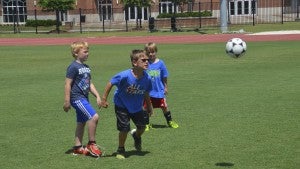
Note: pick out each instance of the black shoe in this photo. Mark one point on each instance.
(137, 140)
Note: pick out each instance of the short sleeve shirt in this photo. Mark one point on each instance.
(130, 91)
(80, 73)
(157, 72)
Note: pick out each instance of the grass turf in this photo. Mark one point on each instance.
(237, 113)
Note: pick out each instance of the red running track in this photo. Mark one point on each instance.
(171, 39)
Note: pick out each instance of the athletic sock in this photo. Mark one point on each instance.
(148, 120)
(168, 116)
(91, 142)
(76, 147)
(121, 149)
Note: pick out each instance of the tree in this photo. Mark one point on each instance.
(57, 6)
(140, 3)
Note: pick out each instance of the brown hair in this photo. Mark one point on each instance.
(136, 54)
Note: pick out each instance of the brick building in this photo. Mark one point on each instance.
(113, 11)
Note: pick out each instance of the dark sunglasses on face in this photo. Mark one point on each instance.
(144, 60)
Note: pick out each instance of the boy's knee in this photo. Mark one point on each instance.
(140, 127)
(96, 117)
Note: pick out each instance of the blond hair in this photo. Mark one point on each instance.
(76, 46)
(150, 48)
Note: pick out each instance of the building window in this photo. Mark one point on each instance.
(133, 13)
(242, 7)
(190, 6)
(14, 11)
(167, 6)
(105, 9)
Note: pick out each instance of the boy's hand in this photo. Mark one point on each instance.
(150, 113)
(67, 106)
(99, 102)
(104, 103)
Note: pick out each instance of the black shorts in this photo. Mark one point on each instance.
(123, 119)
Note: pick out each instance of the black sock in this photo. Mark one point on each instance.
(92, 142)
(148, 119)
(168, 116)
(121, 149)
(76, 147)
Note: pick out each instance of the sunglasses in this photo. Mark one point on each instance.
(144, 60)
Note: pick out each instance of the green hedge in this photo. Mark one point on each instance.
(48, 22)
(185, 14)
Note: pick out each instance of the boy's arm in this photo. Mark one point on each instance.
(165, 82)
(107, 90)
(148, 103)
(94, 91)
(67, 105)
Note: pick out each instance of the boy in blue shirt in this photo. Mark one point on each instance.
(78, 85)
(133, 87)
(159, 75)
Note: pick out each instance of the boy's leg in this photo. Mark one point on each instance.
(140, 121)
(121, 148)
(122, 138)
(79, 133)
(139, 132)
(78, 148)
(167, 113)
(148, 125)
(168, 117)
(86, 113)
(92, 146)
(123, 126)
(92, 127)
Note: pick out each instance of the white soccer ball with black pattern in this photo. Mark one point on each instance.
(236, 47)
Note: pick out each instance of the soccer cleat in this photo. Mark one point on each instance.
(80, 150)
(120, 153)
(173, 124)
(137, 140)
(148, 127)
(94, 150)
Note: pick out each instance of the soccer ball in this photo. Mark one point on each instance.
(236, 47)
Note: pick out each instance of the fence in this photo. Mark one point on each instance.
(86, 20)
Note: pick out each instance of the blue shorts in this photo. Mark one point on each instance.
(84, 110)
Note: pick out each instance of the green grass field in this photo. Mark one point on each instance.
(233, 113)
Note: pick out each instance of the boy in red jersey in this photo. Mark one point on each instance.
(159, 74)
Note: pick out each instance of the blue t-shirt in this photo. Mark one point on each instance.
(157, 71)
(130, 90)
(80, 73)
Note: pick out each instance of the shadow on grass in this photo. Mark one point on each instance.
(127, 153)
(69, 151)
(156, 126)
(224, 164)
(130, 153)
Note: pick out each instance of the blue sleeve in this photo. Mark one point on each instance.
(71, 72)
(118, 78)
(164, 70)
(115, 80)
